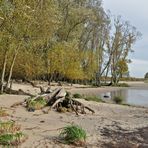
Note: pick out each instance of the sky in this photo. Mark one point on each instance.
(136, 12)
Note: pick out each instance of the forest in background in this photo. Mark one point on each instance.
(63, 40)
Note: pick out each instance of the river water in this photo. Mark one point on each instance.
(132, 96)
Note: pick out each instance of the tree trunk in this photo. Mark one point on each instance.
(12, 65)
(3, 73)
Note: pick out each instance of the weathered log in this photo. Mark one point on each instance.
(71, 104)
(61, 93)
(48, 90)
(52, 96)
(18, 92)
(82, 106)
(42, 90)
(59, 100)
(89, 109)
(36, 86)
(56, 100)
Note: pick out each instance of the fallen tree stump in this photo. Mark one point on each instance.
(58, 100)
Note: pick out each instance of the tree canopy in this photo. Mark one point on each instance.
(62, 39)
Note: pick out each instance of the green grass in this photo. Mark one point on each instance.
(36, 104)
(10, 133)
(11, 138)
(88, 98)
(8, 127)
(118, 99)
(121, 85)
(93, 98)
(76, 95)
(73, 134)
(125, 104)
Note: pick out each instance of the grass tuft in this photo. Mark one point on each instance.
(3, 113)
(36, 104)
(10, 134)
(73, 134)
(11, 138)
(8, 127)
(76, 95)
(93, 98)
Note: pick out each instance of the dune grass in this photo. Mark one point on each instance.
(73, 134)
(36, 104)
(10, 134)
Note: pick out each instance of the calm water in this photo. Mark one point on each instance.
(131, 96)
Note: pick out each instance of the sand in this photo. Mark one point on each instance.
(110, 126)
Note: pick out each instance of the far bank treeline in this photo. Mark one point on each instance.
(62, 40)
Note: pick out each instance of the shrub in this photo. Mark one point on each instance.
(37, 104)
(77, 95)
(118, 99)
(73, 134)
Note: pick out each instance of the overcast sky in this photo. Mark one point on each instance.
(136, 12)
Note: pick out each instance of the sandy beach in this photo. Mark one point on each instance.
(111, 126)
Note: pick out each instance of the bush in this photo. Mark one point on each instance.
(77, 95)
(73, 134)
(118, 99)
(93, 98)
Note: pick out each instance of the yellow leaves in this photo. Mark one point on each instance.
(64, 58)
(122, 66)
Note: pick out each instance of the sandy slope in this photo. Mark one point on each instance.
(110, 126)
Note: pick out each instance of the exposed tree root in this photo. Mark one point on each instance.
(56, 100)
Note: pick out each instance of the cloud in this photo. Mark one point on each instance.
(138, 68)
(134, 11)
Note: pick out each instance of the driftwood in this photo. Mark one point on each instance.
(57, 99)
(17, 92)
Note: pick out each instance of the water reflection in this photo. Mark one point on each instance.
(130, 96)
